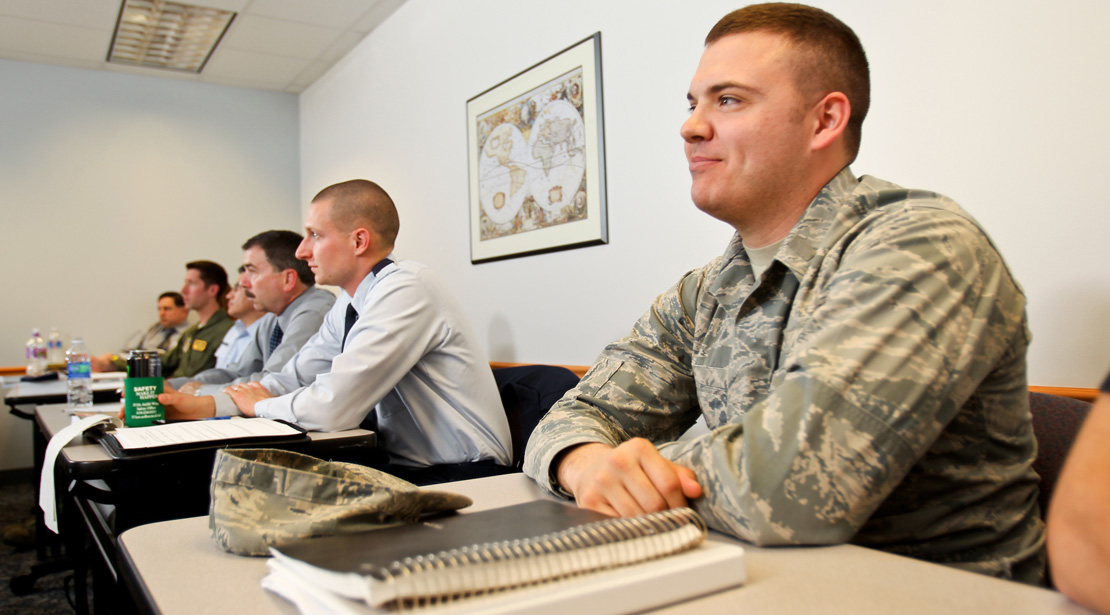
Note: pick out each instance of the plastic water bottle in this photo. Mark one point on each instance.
(79, 375)
(36, 354)
(55, 355)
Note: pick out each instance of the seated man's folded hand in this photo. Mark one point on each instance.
(247, 395)
(628, 480)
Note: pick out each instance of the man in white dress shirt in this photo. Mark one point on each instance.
(395, 354)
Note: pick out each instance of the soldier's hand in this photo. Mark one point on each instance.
(630, 479)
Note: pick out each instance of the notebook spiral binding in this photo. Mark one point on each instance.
(444, 577)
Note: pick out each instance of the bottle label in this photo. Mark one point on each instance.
(80, 369)
(140, 401)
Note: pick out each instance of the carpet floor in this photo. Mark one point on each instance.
(50, 592)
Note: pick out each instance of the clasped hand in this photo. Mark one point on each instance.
(627, 480)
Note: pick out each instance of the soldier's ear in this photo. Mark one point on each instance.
(831, 116)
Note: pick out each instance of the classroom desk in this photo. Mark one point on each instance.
(105, 388)
(200, 578)
(107, 496)
(84, 459)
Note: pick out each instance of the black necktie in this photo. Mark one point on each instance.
(165, 343)
(352, 315)
(275, 337)
(349, 322)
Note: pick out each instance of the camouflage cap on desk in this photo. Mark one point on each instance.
(262, 497)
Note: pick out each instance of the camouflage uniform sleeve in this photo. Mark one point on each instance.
(910, 315)
(640, 386)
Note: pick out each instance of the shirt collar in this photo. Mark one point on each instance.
(371, 280)
(804, 241)
(291, 309)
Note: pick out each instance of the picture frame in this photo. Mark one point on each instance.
(536, 155)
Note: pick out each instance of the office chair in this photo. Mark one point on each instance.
(1056, 422)
(528, 392)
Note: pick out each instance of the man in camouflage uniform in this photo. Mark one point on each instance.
(857, 353)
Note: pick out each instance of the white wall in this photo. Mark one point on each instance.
(110, 183)
(996, 103)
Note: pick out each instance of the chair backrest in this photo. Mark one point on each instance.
(1056, 421)
(528, 392)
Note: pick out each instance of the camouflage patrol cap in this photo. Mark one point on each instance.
(262, 497)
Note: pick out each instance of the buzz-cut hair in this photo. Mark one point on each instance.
(360, 201)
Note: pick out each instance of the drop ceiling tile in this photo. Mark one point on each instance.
(236, 6)
(38, 58)
(332, 13)
(378, 13)
(273, 36)
(37, 37)
(78, 32)
(342, 44)
(84, 13)
(310, 74)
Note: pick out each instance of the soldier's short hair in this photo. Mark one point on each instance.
(828, 55)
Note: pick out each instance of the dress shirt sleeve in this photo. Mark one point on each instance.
(220, 375)
(394, 329)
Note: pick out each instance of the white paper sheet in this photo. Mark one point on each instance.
(199, 431)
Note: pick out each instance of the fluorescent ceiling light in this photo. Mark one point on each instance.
(170, 35)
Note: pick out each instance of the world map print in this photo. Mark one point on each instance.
(532, 160)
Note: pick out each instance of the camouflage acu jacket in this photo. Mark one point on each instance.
(869, 388)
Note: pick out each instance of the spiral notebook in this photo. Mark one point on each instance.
(541, 556)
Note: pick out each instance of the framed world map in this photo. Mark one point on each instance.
(536, 158)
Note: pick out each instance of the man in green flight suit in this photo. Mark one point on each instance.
(204, 291)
